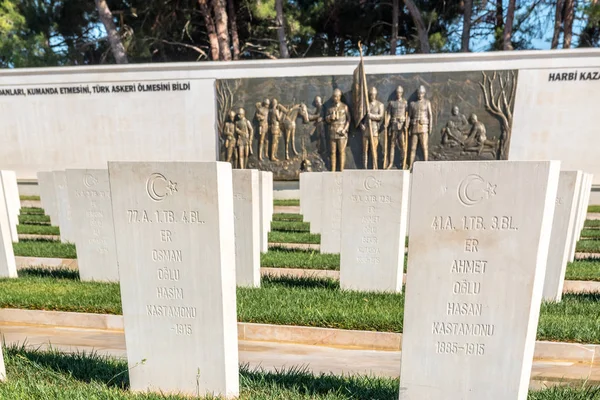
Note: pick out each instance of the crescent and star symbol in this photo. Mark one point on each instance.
(159, 187)
(371, 183)
(473, 189)
(89, 180)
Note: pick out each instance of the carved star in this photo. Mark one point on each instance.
(172, 187)
(490, 190)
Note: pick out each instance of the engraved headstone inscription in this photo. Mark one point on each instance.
(478, 245)
(91, 212)
(331, 212)
(246, 210)
(8, 268)
(48, 195)
(563, 227)
(8, 180)
(174, 229)
(374, 214)
(65, 221)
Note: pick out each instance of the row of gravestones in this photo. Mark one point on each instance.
(480, 234)
(79, 202)
(354, 213)
(191, 232)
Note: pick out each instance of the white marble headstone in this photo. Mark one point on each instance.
(578, 205)
(246, 210)
(479, 237)
(8, 267)
(174, 229)
(303, 190)
(65, 222)
(331, 212)
(2, 367)
(48, 195)
(91, 213)
(270, 205)
(8, 180)
(265, 223)
(563, 228)
(374, 214)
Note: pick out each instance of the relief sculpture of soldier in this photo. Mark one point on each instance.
(229, 136)
(318, 131)
(276, 115)
(338, 121)
(420, 119)
(477, 139)
(397, 115)
(262, 116)
(244, 132)
(375, 118)
(455, 130)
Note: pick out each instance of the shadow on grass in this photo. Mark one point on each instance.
(301, 380)
(585, 296)
(300, 282)
(56, 273)
(82, 366)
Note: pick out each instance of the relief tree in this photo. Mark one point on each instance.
(499, 92)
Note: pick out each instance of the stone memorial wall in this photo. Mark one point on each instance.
(174, 228)
(479, 238)
(182, 111)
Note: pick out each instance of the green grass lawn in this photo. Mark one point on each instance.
(590, 233)
(34, 219)
(594, 209)
(588, 246)
(44, 248)
(286, 202)
(294, 237)
(38, 229)
(583, 270)
(289, 301)
(35, 374)
(278, 257)
(592, 223)
(23, 197)
(290, 226)
(288, 217)
(32, 211)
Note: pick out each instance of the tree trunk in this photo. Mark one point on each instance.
(558, 17)
(235, 40)
(220, 15)
(116, 45)
(466, 33)
(499, 15)
(283, 49)
(210, 29)
(419, 24)
(568, 23)
(508, 26)
(394, 38)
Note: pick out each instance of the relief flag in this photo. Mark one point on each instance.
(359, 94)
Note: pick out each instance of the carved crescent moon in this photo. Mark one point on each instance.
(154, 195)
(463, 190)
(89, 180)
(370, 183)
